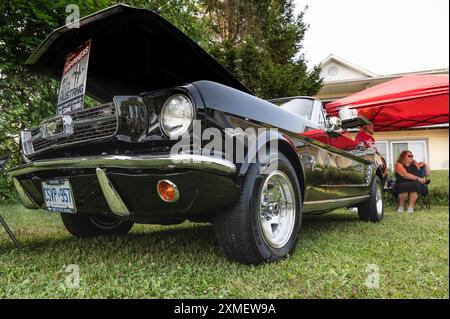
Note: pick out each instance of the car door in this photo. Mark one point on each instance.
(337, 174)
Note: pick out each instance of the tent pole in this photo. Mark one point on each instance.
(9, 232)
(3, 162)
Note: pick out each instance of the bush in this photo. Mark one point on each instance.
(8, 194)
(439, 188)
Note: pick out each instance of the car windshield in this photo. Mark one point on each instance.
(302, 107)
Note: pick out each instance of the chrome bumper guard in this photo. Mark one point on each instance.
(117, 206)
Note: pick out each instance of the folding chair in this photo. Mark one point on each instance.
(390, 196)
(3, 162)
(424, 201)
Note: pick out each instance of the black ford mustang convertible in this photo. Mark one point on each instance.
(143, 154)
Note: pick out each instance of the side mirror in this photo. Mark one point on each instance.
(335, 124)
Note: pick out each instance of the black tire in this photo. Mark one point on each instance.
(239, 231)
(369, 211)
(92, 226)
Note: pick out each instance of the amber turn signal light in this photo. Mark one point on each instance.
(168, 191)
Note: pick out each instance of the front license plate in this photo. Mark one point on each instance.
(58, 196)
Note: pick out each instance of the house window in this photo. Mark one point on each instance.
(418, 148)
(382, 147)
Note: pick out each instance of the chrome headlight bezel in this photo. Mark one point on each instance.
(185, 127)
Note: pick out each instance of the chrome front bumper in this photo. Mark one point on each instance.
(188, 161)
(99, 163)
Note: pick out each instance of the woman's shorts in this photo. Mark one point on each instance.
(410, 187)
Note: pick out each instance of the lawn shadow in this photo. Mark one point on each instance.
(330, 219)
(173, 239)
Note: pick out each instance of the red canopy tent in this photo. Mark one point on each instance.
(410, 101)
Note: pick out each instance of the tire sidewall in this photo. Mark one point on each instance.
(268, 252)
(373, 201)
(105, 226)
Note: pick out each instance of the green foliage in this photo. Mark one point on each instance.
(439, 187)
(260, 42)
(7, 192)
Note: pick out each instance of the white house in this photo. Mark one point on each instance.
(429, 144)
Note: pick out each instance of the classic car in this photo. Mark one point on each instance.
(106, 167)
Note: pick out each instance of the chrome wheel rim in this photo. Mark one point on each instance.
(105, 222)
(277, 209)
(379, 200)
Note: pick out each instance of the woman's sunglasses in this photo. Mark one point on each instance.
(410, 156)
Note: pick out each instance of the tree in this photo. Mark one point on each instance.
(26, 99)
(259, 41)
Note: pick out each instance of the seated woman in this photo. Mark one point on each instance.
(409, 180)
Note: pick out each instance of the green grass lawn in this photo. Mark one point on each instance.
(331, 260)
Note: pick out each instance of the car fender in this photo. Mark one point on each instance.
(282, 143)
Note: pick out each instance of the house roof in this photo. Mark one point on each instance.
(354, 67)
(335, 89)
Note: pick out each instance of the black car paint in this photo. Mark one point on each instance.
(222, 107)
(326, 173)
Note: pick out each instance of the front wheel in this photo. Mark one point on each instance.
(373, 209)
(92, 226)
(265, 222)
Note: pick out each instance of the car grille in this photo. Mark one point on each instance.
(90, 124)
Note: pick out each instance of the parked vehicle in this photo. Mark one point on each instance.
(109, 166)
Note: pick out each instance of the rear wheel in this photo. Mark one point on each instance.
(265, 222)
(91, 226)
(373, 209)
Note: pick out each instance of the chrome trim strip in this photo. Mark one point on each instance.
(344, 185)
(188, 161)
(113, 199)
(25, 198)
(346, 199)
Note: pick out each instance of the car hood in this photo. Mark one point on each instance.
(132, 51)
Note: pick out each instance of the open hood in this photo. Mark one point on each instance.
(132, 51)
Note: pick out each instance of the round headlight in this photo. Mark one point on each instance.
(177, 115)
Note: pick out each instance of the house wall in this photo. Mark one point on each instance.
(436, 144)
(351, 79)
(343, 73)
